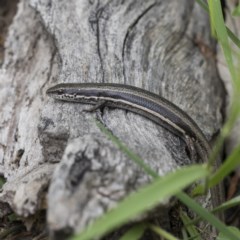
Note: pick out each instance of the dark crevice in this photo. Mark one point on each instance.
(94, 21)
(49, 74)
(82, 164)
(99, 50)
(98, 16)
(49, 34)
(130, 28)
(224, 6)
(8, 10)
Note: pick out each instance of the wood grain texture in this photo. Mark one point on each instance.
(149, 44)
(29, 63)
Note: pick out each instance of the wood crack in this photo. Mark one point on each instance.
(130, 28)
(97, 21)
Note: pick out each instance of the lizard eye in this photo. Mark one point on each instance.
(60, 92)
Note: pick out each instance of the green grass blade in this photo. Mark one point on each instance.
(191, 229)
(135, 232)
(206, 215)
(184, 198)
(126, 150)
(230, 164)
(184, 234)
(229, 204)
(210, 8)
(203, 5)
(236, 11)
(234, 230)
(146, 198)
(232, 36)
(227, 167)
(233, 116)
(218, 23)
(162, 232)
(226, 205)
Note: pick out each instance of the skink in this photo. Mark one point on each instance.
(139, 101)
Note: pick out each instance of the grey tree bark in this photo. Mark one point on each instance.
(155, 45)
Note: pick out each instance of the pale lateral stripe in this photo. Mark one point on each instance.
(167, 120)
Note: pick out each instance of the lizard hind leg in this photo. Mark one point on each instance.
(98, 106)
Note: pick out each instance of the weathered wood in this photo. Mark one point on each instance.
(149, 44)
(29, 63)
